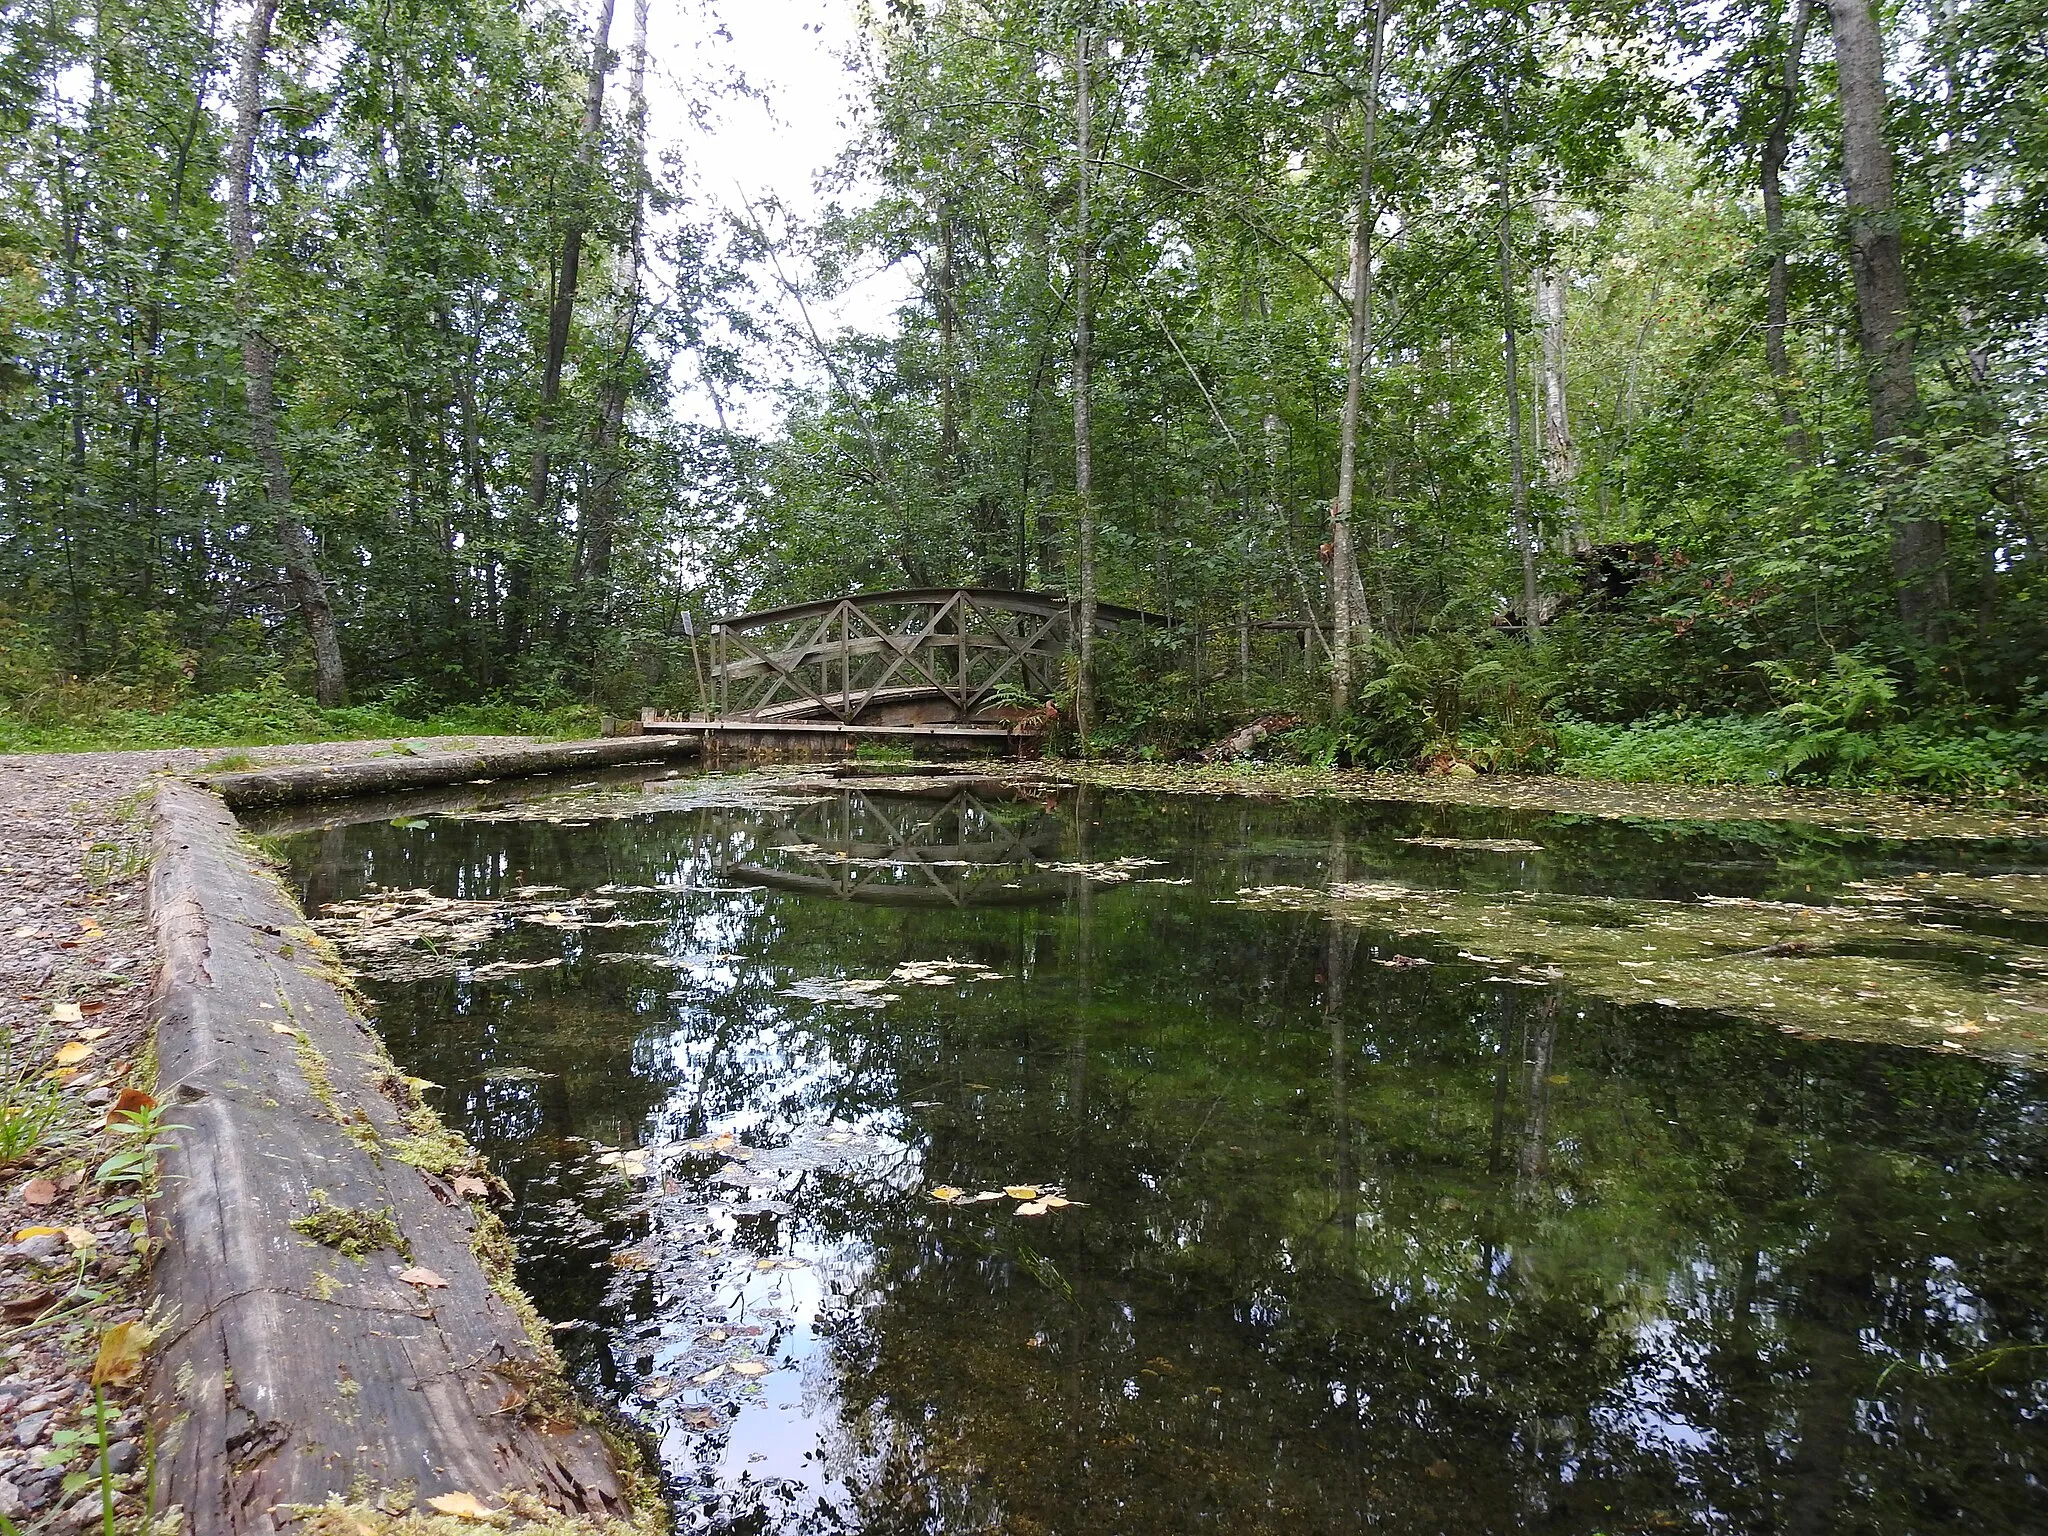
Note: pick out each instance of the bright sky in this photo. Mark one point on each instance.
(772, 144)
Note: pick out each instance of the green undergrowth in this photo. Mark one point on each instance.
(1925, 759)
(268, 715)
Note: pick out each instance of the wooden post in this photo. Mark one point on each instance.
(718, 665)
(960, 628)
(845, 658)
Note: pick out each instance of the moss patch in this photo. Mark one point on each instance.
(354, 1234)
(520, 1514)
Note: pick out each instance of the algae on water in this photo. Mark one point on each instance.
(1872, 970)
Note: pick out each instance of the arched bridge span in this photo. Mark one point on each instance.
(919, 656)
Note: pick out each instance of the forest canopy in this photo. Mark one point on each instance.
(1654, 390)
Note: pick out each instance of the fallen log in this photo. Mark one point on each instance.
(379, 775)
(340, 1314)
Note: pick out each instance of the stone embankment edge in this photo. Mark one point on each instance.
(330, 781)
(290, 1373)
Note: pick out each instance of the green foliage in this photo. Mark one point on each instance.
(1835, 716)
(30, 1105)
(1931, 757)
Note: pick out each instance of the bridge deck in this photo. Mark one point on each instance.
(831, 737)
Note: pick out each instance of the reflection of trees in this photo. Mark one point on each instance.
(1450, 1258)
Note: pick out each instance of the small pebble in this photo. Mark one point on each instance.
(30, 1430)
(42, 1247)
(12, 1505)
(123, 1455)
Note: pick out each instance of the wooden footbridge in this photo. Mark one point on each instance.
(926, 666)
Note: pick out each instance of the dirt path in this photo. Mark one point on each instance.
(76, 964)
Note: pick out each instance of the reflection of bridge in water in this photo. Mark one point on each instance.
(985, 846)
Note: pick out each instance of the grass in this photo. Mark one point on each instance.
(269, 716)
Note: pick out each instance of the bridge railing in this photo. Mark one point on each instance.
(957, 648)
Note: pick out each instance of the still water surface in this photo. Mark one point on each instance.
(1356, 1244)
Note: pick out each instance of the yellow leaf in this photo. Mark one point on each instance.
(1021, 1191)
(749, 1368)
(72, 1052)
(947, 1192)
(120, 1358)
(65, 1013)
(1031, 1208)
(1055, 1202)
(98, 1032)
(28, 1232)
(80, 1237)
(463, 1506)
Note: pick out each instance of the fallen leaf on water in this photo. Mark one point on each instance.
(1055, 1202)
(749, 1368)
(1031, 1208)
(72, 1052)
(947, 1192)
(655, 1388)
(423, 1277)
(38, 1192)
(1021, 1191)
(120, 1358)
(705, 1378)
(463, 1506)
(700, 1418)
(66, 1013)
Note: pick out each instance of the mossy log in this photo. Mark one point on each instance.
(293, 1368)
(380, 775)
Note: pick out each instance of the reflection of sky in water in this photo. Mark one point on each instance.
(1415, 1252)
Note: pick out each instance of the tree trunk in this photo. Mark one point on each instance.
(1777, 147)
(1878, 264)
(1560, 453)
(561, 311)
(593, 574)
(259, 370)
(1511, 367)
(1084, 452)
(1348, 616)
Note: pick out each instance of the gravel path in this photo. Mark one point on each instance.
(76, 962)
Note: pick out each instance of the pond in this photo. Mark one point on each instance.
(949, 1155)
